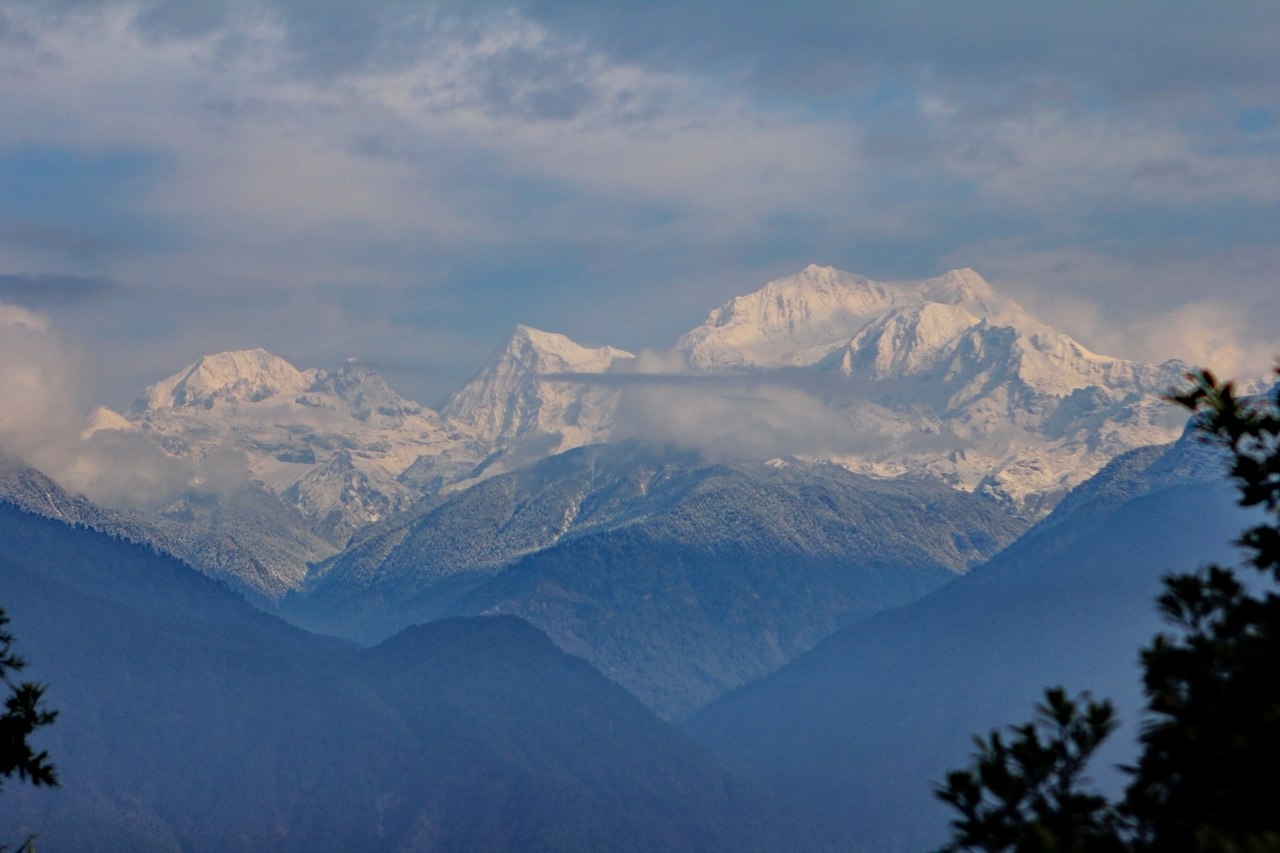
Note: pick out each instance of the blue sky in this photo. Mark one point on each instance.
(405, 181)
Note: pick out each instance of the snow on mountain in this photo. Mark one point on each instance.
(529, 391)
(226, 379)
(343, 497)
(797, 320)
(943, 378)
(975, 390)
(248, 539)
(102, 419)
(330, 443)
(344, 450)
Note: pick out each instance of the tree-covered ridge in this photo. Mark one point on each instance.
(190, 720)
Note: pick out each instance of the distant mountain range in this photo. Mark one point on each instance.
(190, 720)
(942, 379)
(835, 530)
(815, 451)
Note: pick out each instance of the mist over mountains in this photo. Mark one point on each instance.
(835, 528)
(873, 438)
(942, 378)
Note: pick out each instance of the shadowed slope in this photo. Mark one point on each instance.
(189, 720)
(859, 729)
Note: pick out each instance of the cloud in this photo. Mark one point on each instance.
(746, 420)
(1142, 51)
(36, 385)
(21, 320)
(43, 416)
(1208, 334)
(1213, 309)
(612, 169)
(756, 416)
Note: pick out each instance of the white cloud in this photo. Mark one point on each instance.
(1208, 334)
(23, 318)
(1216, 310)
(38, 386)
(42, 417)
(259, 157)
(1061, 158)
(742, 419)
(294, 156)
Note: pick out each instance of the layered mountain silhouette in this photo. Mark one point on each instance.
(859, 729)
(807, 504)
(676, 576)
(816, 451)
(190, 720)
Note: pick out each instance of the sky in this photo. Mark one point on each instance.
(404, 182)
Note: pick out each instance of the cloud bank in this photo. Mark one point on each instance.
(42, 424)
(405, 181)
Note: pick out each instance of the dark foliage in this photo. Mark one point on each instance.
(1208, 776)
(23, 714)
(1025, 794)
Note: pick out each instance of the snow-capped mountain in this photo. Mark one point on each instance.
(963, 383)
(797, 320)
(530, 389)
(331, 443)
(941, 378)
(345, 450)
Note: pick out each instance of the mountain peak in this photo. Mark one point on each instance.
(363, 390)
(800, 318)
(514, 394)
(238, 376)
(103, 419)
(548, 350)
(966, 284)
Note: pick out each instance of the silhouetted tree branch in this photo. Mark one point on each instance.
(1208, 774)
(23, 715)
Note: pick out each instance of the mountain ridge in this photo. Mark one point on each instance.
(941, 377)
(189, 720)
(861, 727)
(615, 549)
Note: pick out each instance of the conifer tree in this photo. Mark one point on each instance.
(1208, 776)
(1207, 779)
(23, 714)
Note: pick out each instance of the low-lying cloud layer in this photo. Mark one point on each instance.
(755, 416)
